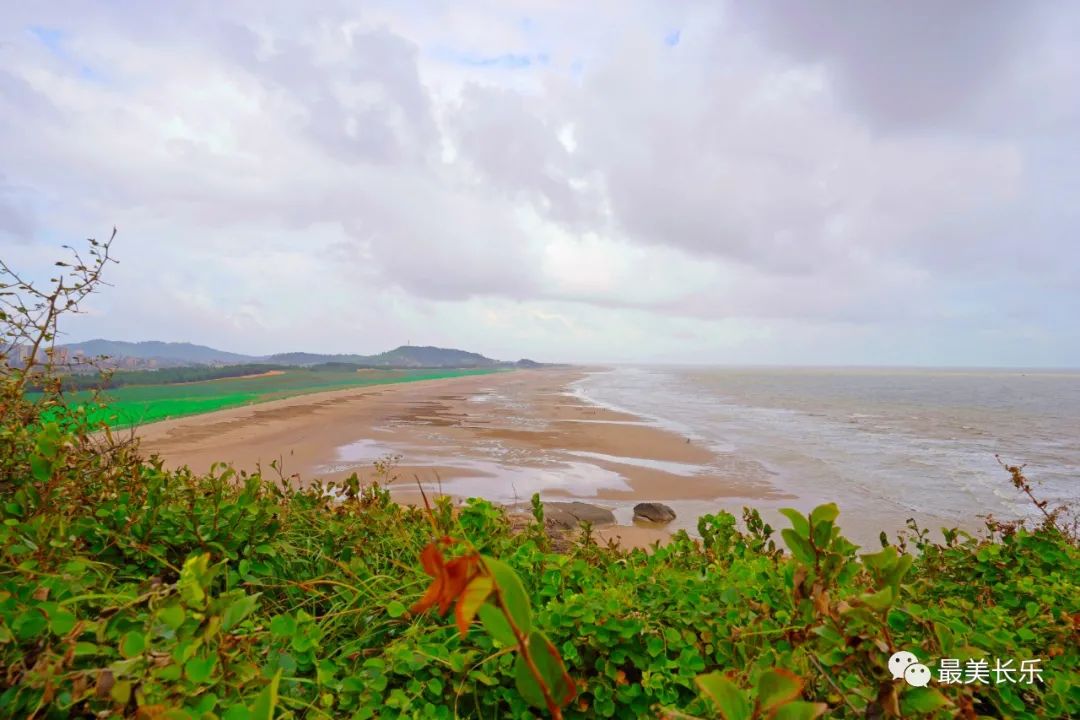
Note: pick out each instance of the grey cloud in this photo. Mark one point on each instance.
(902, 64)
(367, 104)
(443, 244)
(710, 163)
(19, 98)
(358, 137)
(520, 153)
(17, 221)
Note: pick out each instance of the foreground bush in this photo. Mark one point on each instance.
(129, 590)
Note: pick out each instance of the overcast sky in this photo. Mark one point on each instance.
(888, 183)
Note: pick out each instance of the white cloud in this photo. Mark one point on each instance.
(556, 181)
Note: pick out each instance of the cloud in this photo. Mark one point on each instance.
(16, 216)
(756, 162)
(902, 65)
(755, 182)
(520, 155)
(358, 94)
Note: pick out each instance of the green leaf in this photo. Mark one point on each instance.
(777, 686)
(799, 547)
(199, 670)
(132, 644)
(822, 532)
(493, 621)
(194, 580)
(880, 561)
(85, 648)
(1011, 699)
(476, 593)
(881, 600)
(395, 609)
(238, 610)
(897, 572)
(264, 706)
(171, 673)
(40, 468)
(172, 616)
(824, 513)
(283, 626)
(48, 440)
(799, 710)
(508, 590)
(237, 712)
(654, 645)
(61, 622)
(798, 521)
(923, 700)
(552, 673)
(30, 624)
(728, 698)
(286, 662)
(121, 692)
(483, 678)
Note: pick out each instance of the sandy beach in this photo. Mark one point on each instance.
(502, 436)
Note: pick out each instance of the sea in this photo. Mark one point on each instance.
(884, 444)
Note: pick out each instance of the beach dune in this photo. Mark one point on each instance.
(501, 436)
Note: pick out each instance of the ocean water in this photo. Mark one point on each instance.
(885, 444)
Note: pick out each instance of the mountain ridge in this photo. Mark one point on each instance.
(157, 353)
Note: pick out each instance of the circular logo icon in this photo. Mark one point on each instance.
(917, 674)
(900, 661)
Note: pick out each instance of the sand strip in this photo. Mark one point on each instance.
(501, 436)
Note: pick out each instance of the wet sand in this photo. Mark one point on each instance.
(502, 436)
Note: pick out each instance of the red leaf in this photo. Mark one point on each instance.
(459, 572)
(432, 560)
(448, 579)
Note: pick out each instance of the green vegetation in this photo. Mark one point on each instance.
(138, 404)
(119, 378)
(129, 590)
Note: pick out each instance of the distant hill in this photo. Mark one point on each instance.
(180, 353)
(412, 356)
(166, 354)
(406, 356)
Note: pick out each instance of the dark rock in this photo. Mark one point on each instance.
(572, 514)
(653, 512)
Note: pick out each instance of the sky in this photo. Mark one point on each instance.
(694, 182)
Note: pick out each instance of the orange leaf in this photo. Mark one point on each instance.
(432, 560)
(449, 579)
(459, 572)
(431, 596)
(476, 594)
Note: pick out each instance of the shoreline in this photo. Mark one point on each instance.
(501, 436)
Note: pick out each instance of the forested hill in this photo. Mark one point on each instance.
(406, 356)
(153, 354)
(166, 353)
(411, 356)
